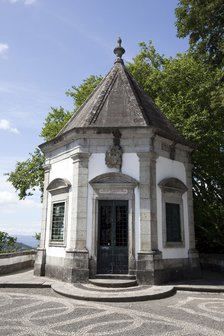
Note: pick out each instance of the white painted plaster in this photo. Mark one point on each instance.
(62, 169)
(166, 168)
(130, 165)
(169, 168)
(97, 166)
(54, 251)
(48, 223)
(69, 221)
(90, 221)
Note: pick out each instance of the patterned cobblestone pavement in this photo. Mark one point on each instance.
(40, 312)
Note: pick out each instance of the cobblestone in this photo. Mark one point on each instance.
(41, 312)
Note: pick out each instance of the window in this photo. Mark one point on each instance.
(59, 191)
(173, 223)
(172, 191)
(58, 221)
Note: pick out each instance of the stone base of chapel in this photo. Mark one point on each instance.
(151, 269)
(39, 266)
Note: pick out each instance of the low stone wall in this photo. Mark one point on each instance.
(11, 262)
(212, 262)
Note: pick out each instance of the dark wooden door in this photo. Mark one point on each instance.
(112, 256)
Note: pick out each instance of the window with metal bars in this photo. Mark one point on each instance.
(121, 226)
(173, 223)
(58, 219)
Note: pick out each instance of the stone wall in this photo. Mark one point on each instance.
(11, 262)
(213, 262)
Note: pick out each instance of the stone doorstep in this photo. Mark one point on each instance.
(142, 294)
(113, 283)
(115, 276)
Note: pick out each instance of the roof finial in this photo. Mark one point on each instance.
(119, 51)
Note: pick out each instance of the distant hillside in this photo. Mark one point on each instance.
(21, 246)
(28, 241)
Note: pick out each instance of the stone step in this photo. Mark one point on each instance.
(89, 292)
(115, 276)
(113, 283)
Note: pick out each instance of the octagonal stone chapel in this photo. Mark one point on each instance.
(118, 190)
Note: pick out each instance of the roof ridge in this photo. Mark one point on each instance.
(137, 97)
(103, 96)
(76, 113)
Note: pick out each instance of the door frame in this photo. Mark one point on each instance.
(113, 248)
(113, 186)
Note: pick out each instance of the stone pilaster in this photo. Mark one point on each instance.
(39, 266)
(76, 260)
(194, 263)
(149, 258)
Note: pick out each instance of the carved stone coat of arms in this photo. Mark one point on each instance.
(113, 157)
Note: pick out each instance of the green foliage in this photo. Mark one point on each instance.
(7, 243)
(28, 175)
(203, 22)
(82, 92)
(191, 96)
(54, 122)
(37, 236)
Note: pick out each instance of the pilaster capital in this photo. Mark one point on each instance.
(80, 157)
(188, 166)
(147, 156)
(47, 168)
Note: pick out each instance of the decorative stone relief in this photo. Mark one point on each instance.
(113, 157)
(113, 191)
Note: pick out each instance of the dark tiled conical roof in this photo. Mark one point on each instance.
(118, 101)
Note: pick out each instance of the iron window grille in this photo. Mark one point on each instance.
(58, 221)
(173, 223)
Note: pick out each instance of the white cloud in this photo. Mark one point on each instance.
(9, 198)
(6, 125)
(3, 48)
(25, 2)
(17, 216)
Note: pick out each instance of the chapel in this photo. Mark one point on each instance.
(118, 190)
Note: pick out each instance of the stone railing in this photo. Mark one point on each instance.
(11, 262)
(213, 262)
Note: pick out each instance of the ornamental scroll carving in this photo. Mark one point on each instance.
(113, 157)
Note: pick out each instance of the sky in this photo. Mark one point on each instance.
(46, 46)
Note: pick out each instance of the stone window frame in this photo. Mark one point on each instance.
(59, 190)
(114, 186)
(172, 190)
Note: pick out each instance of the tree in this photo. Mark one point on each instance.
(83, 91)
(54, 121)
(28, 175)
(37, 237)
(203, 22)
(191, 95)
(7, 243)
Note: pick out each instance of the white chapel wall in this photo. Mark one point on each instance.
(60, 169)
(166, 168)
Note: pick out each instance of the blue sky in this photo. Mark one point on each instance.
(46, 46)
